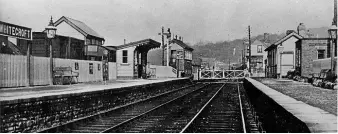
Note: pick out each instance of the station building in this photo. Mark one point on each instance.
(181, 57)
(258, 58)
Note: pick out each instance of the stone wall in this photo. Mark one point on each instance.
(308, 52)
(36, 114)
(274, 118)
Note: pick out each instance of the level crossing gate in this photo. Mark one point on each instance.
(223, 74)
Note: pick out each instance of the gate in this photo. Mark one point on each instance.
(223, 74)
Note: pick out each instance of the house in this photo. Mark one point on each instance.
(181, 57)
(132, 58)
(258, 56)
(297, 50)
(287, 43)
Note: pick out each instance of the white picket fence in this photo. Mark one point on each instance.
(13, 70)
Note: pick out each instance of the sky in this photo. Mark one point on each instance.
(194, 20)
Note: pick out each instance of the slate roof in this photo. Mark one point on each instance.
(182, 44)
(286, 37)
(151, 42)
(79, 26)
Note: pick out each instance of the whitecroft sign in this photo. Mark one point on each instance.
(15, 30)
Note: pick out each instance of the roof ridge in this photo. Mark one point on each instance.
(79, 25)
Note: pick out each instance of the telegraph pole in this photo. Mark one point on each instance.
(162, 46)
(249, 49)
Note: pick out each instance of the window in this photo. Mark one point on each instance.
(321, 54)
(90, 68)
(93, 41)
(87, 41)
(259, 49)
(76, 66)
(125, 56)
(98, 67)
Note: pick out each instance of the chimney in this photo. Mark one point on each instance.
(266, 36)
(124, 41)
(182, 39)
(179, 38)
(301, 29)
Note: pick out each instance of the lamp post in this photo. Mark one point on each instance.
(280, 49)
(333, 41)
(51, 31)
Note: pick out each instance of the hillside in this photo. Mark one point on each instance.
(223, 51)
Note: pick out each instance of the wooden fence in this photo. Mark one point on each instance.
(13, 70)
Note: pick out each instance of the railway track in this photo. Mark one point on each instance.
(106, 120)
(199, 108)
(227, 111)
(172, 116)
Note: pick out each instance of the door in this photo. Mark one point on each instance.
(105, 73)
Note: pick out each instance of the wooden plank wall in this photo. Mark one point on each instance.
(83, 70)
(112, 71)
(13, 71)
(40, 71)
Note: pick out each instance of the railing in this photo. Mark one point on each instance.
(223, 74)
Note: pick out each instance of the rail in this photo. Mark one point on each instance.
(200, 111)
(208, 104)
(116, 127)
(105, 112)
(241, 107)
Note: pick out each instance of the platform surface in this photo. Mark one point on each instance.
(40, 91)
(317, 120)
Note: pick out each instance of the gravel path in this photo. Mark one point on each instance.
(325, 99)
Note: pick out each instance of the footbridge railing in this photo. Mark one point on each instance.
(223, 74)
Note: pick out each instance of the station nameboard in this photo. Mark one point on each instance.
(15, 30)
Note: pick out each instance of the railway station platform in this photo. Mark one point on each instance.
(316, 119)
(8, 94)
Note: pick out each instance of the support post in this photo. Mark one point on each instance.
(51, 61)
(332, 55)
(28, 62)
(168, 52)
(178, 67)
(280, 68)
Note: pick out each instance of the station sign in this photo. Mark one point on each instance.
(15, 31)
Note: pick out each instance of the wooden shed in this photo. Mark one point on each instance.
(131, 58)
